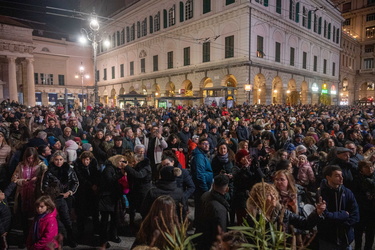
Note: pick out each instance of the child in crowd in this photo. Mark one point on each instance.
(305, 175)
(5, 214)
(45, 228)
(108, 142)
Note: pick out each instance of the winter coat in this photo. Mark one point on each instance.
(364, 191)
(64, 175)
(128, 143)
(5, 213)
(242, 133)
(47, 231)
(184, 137)
(110, 188)
(305, 174)
(139, 179)
(160, 144)
(214, 214)
(165, 187)
(348, 172)
(340, 216)
(98, 152)
(201, 171)
(88, 177)
(185, 182)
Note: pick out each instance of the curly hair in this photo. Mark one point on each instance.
(309, 140)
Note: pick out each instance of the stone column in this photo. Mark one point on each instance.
(13, 95)
(30, 82)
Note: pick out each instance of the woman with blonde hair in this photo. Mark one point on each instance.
(264, 201)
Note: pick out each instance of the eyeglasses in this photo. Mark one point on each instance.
(205, 143)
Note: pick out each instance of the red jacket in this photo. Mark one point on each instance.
(47, 232)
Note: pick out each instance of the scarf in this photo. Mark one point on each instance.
(223, 158)
(36, 226)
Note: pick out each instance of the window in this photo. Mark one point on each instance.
(304, 17)
(131, 71)
(157, 22)
(113, 40)
(122, 40)
(181, 12)
(315, 23)
(346, 7)
(144, 27)
(105, 74)
(186, 56)
(42, 79)
(329, 32)
(333, 69)
(50, 79)
(172, 16)
(277, 52)
(337, 35)
(151, 24)
(369, 48)
(189, 10)
(333, 34)
(118, 38)
(264, 2)
(260, 52)
(278, 6)
(309, 20)
(315, 63)
(292, 52)
(297, 13)
(97, 75)
(170, 60)
(369, 63)
(36, 78)
(325, 66)
(206, 6)
(325, 29)
(132, 32)
(292, 13)
(127, 34)
(165, 19)
(370, 32)
(113, 72)
(122, 73)
(304, 60)
(227, 2)
(347, 22)
(206, 52)
(138, 29)
(61, 80)
(143, 65)
(155, 62)
(229, 46)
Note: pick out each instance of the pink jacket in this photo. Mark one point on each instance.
(305, 175)
(47, 232)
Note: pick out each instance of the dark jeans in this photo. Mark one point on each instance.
(104, 221)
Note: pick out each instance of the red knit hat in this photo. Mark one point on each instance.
(240, 154)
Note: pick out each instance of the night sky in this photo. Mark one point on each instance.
(35, 14)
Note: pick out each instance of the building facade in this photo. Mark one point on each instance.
(39, 71)
(264, 51)
(357, 65)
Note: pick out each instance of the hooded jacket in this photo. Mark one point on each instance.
(341, 214)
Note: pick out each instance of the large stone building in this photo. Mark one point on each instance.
(284, 51)
(39, 70)
(357, 59)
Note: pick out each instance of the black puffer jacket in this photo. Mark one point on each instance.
(64, 175)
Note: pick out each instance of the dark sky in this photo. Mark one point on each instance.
(67, 24)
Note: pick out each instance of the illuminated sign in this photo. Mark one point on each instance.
(324, 91)
(314, 87)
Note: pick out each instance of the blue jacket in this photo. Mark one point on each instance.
(340, 216)
(201, 171)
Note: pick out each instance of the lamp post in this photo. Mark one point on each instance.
(95, 37)
(248, 90)
(82, 74)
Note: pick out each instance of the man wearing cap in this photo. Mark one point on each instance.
(342, 159)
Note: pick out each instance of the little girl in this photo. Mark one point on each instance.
(305, 175)
(45, 228)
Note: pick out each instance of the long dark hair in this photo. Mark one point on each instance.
(30, 151)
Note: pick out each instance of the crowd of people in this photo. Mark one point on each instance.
(298, 166)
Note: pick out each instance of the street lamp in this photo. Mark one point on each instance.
(95, 37)
(248, 90)
(82, 74)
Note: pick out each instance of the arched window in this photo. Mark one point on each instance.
(292, 10)
(172, 16)
(157, 22)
